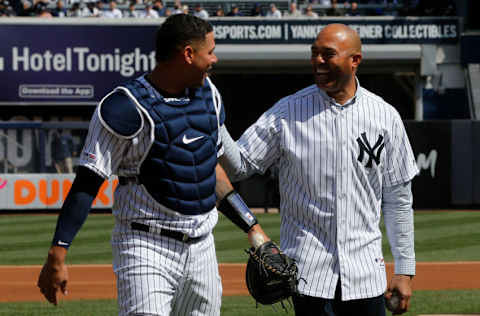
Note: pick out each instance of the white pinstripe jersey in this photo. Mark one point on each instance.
(331, 192)
(107, 153)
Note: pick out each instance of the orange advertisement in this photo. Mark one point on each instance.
(46, 191)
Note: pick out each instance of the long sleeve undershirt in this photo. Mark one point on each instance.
(76, 207)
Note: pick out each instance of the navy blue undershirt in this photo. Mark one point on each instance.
(76, 207)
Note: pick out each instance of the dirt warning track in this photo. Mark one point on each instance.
(18, 283)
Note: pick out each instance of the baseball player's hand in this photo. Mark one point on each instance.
(256, 236)
(54, 275)
(401, 285)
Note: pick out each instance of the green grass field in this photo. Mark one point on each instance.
(439, 236)
(423, 302)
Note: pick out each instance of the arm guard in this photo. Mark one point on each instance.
(235, 209)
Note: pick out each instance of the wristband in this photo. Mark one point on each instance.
(235, 209)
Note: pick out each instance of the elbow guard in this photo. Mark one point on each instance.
(235, 209)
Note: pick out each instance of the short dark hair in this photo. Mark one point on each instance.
(178, 31)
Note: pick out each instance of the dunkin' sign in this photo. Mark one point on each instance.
(45, 191)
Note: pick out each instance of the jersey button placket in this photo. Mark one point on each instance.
(341, 180)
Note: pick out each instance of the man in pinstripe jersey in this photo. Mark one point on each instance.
(343, 158)
(159, 134)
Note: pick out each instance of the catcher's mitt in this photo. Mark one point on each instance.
(271, 275)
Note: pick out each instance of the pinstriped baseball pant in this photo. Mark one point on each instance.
(158, 275)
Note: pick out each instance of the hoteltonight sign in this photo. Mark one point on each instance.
(78, 61)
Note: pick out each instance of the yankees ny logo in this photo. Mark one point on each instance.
(365, 147)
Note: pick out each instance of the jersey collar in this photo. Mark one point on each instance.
(351, 101)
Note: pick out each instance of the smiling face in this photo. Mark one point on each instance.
(335, 56)
(202, 59)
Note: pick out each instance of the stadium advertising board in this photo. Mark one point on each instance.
(51, 62)
(371, 31)
(70, 64)
(45, 191)
(431, 143)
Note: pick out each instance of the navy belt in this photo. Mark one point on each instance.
(165, 232)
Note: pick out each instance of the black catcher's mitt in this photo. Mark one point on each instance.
(271, 275)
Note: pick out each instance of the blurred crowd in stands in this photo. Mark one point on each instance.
(206, 9)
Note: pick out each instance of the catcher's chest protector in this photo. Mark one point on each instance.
(179, 169)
